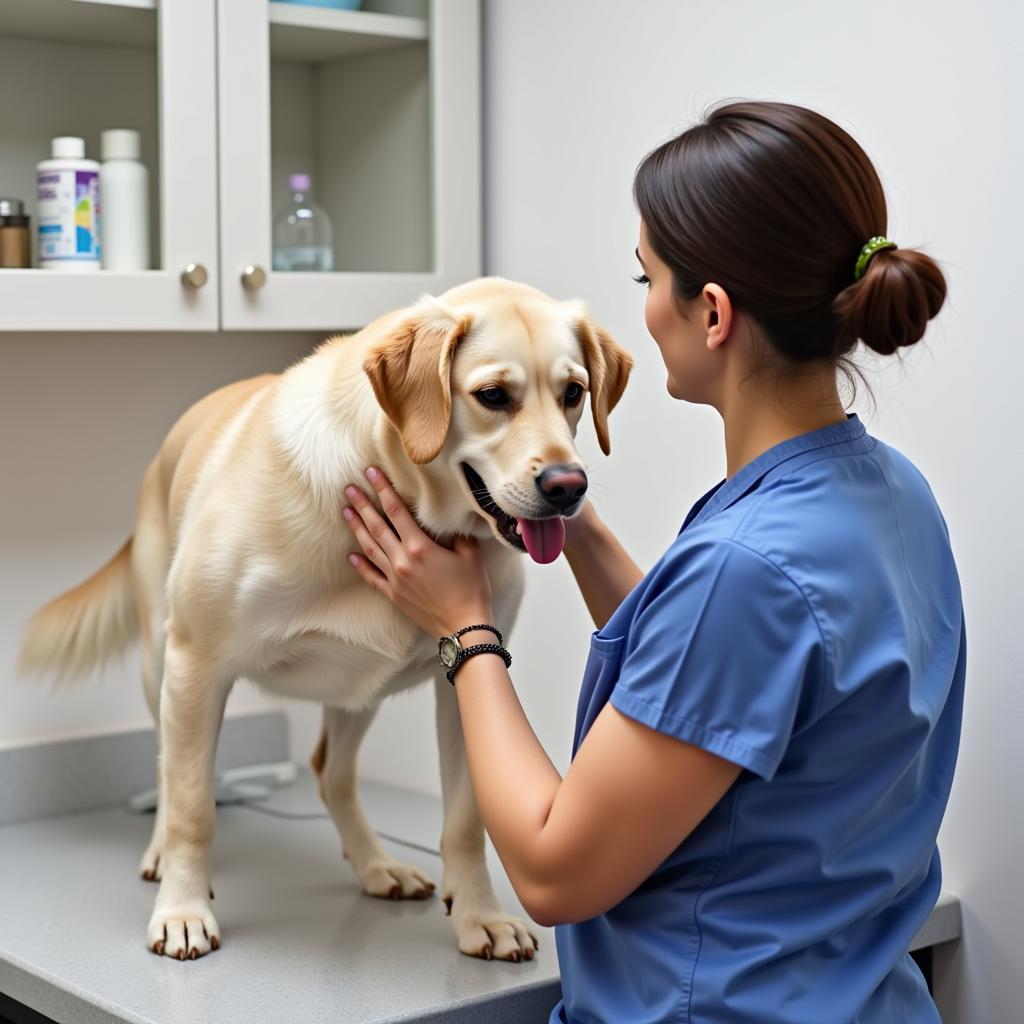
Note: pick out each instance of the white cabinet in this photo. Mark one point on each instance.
(72, 67)
(380, 106)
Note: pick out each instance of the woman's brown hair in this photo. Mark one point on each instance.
(773, 202)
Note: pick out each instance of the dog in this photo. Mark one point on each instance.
(237, 566)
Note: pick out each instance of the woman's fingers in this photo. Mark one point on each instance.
(394, 508)
(372, 551)
(373, 526)
(373, 576)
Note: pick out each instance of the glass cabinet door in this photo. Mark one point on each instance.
(128, 248)
(349, 157)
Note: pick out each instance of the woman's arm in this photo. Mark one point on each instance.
(602, 566)
(575, 847)
(572, 847)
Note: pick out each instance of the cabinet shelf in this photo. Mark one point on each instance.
(311, 34)
(48, 300)
(103, 22)
(315, 34)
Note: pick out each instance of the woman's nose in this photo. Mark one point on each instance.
(562, 486)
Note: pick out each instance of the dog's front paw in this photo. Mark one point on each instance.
(494, 935)
(184, 930)
(390, 879)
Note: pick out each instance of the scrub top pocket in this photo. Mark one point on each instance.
(599, 678)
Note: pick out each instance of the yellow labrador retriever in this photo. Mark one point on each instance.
(238, 565)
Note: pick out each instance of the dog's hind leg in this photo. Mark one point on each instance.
(192, 701)
(150, 563)
(334, 760)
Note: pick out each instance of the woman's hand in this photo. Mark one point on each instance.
(438, 588)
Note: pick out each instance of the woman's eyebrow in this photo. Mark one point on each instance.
(640, 258)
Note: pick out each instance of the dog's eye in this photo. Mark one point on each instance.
(493, 398)
(574, 393)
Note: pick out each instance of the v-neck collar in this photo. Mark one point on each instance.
(746, 479)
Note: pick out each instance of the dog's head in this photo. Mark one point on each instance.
(490, 380)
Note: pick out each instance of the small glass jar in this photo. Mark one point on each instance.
(14, 235)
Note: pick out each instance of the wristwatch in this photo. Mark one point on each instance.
(452, 654)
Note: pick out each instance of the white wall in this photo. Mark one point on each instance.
(575, 94)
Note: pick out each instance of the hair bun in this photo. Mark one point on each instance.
(890, 306)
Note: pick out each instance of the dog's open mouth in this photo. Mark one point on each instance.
(541, 539)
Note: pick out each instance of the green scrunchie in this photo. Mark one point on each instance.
(870, 247)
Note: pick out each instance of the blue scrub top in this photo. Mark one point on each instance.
(807, 625)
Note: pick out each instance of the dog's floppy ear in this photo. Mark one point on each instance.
(410, 371)
(608, 365)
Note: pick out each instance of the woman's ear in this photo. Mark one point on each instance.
(608, 366)
(410, 372)
(717, 314)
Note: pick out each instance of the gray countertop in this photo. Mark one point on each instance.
(301, 941)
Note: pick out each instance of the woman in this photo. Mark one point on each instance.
(769, 718)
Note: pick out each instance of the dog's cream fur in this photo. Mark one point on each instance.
(237, 567)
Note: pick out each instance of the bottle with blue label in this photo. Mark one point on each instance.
(68, 192)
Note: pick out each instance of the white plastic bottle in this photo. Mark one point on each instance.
(302, 231)
(68, 193)
(124, 192)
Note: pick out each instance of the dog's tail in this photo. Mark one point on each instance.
(86, 626)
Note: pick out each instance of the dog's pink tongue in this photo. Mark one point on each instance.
(544, 538)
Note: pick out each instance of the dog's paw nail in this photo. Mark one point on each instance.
(158, 948)
(181, 954)
(214, 942)
(193, 953)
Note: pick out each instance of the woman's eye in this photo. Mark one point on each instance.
(493, 398)
(642, 279)
(574, 394)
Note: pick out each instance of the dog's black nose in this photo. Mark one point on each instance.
(562, 486)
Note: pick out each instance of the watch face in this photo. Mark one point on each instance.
(448, 651)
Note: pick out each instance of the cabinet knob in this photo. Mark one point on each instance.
(253, 277)
(194, 276)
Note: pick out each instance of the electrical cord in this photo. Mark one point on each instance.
(291, 816)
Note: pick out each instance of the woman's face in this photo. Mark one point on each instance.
(685, 332)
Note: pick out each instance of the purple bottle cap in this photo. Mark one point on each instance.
(298, 182)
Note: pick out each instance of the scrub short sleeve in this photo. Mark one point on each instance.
(722, 653)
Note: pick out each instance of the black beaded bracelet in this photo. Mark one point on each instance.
(469, 629)
(479, 649)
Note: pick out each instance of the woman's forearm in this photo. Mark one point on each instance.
(602, 566)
